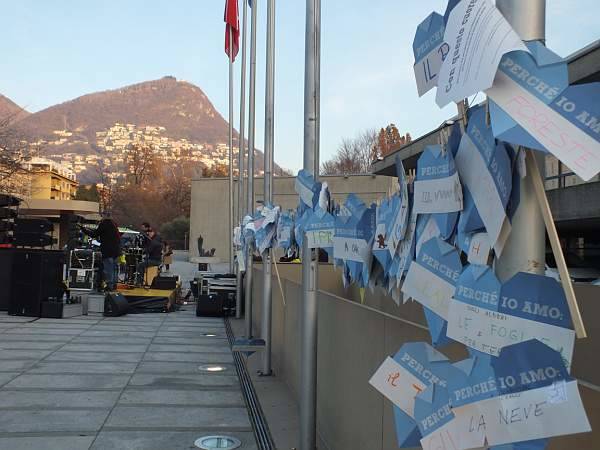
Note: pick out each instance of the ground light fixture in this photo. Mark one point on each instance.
(217, 442)
(212, 368)
(209, 334)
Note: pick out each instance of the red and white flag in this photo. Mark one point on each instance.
(232, 24)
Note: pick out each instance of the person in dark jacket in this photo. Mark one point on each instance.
(152, 252)
(108, 234)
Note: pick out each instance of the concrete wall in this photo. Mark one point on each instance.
(355, 338)
(210, 198)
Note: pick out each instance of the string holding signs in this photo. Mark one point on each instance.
(487, 316)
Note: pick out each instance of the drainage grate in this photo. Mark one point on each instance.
(257, 417)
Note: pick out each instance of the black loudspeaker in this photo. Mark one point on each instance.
(7, 213)
(33, 225)
(52, 310)
(164, 283)
(6, 267)
(9, 200)
(32, 239)
(37, 276)
(115, 305)
(210, 306)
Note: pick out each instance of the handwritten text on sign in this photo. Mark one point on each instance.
(579, 151)
(320, 238)
(533, 414)
(440, 195)
(397, 384)
(489, 331)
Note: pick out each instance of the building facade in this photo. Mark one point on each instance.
(50, 180)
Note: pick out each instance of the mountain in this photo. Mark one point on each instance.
(94, 133)
(182, 108)
(8, 108)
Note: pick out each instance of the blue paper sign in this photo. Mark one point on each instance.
(319, 230)
(437, 188)
(430, 50)
(531, 88)
(285, 231)
(425, 363)
(432, 277)
(535, 297)
(474, 380)
(485, 169)
(432, 409)
(307, 188)
(407, 431)
(437, 328)
(528, 365)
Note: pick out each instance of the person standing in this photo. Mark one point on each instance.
(152, 253)
(108, 234)
(167, 254)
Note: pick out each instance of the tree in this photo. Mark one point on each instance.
(353, 155)
(88, 193)
(14, 152)
(389, 139)
(175, 231)
(140, 163)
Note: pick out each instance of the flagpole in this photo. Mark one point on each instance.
(241, 156)
(308, 321)
(231, 209)
(251, 146)
(268, 185)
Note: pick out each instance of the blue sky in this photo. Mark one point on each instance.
(53, 51)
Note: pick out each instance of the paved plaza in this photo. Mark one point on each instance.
(128, 383)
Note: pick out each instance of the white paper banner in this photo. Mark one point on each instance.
(351, 249)
(579, 151)
(442, 195)
(489, 331)
(479, 249)
(320, 238)
(428, 289)
(533, 414)
(397, 384)
(478, 36)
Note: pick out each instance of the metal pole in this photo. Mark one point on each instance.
(526, 246)
(308, 322)
(239, 276)
(268, 185)
(230, 229)
(251, 140)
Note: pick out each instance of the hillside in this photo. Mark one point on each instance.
(182, 108)
(92, 134)
(9, 109)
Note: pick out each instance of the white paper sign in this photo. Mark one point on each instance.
(426, 70)
(442, 195)
(479, 249)
(477, 177)
(397, 384)
(478, 36)
(351, 249)
(572, 146)
(511, 418)
(320, 238)
(490, 331)
(428, 289)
